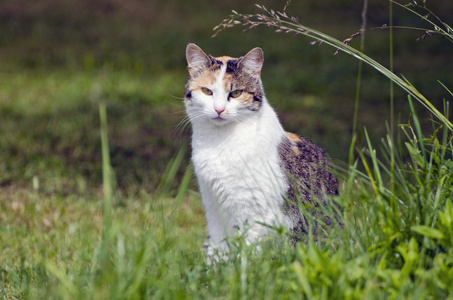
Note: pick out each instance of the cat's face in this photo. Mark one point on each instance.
(223, 90)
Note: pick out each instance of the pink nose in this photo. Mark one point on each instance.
(219, 110)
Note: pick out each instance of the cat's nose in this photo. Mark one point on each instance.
(219, 110)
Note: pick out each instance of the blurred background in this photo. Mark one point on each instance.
(60, 59)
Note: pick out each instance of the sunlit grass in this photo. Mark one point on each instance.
(65, 235)
(394, 244)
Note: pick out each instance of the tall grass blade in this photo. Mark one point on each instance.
(368, 171)
(182, 190)
(448, 90)
(358, 84)
(107, 171)
(166, 182)
(170, 173)
(445, 131)
(418, 129)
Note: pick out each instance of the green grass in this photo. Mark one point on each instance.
(70, 229)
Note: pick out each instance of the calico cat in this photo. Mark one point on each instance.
(249, 170)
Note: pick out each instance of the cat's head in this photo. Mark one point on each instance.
(223, 89)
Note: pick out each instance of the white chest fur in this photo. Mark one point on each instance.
(239, 174)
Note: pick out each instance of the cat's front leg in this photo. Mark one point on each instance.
(217, 247)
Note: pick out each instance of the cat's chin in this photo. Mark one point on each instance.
(219, 121)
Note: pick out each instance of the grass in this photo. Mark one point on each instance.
(64, 234)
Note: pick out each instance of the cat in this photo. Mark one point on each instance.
(249, 170)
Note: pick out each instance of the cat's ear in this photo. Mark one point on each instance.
(253, 61)
(197, 60)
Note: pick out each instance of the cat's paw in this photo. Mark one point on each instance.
(215, 254)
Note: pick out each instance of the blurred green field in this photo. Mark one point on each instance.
(60, 60)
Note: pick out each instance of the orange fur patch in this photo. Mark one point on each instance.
(245, 98)
(227, 78)
(207, 79)
(294, 138)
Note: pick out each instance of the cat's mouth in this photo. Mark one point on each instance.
(218, 118)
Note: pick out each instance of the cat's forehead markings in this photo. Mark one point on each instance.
(227, 82)
(207, 79)
(211, 77)
(227, 79)
(231, 67)
(224, 59)
(218, 62)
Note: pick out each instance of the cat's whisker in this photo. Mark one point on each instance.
(179, 128)
(178, 112)
(176, 97)
(183, 124)
(187, 120)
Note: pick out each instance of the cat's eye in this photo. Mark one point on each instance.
(235, 94)
(206, 91)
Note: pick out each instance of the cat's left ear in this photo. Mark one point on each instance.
(197, 60)
(253, 61)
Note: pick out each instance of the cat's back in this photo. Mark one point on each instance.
(307, 166)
